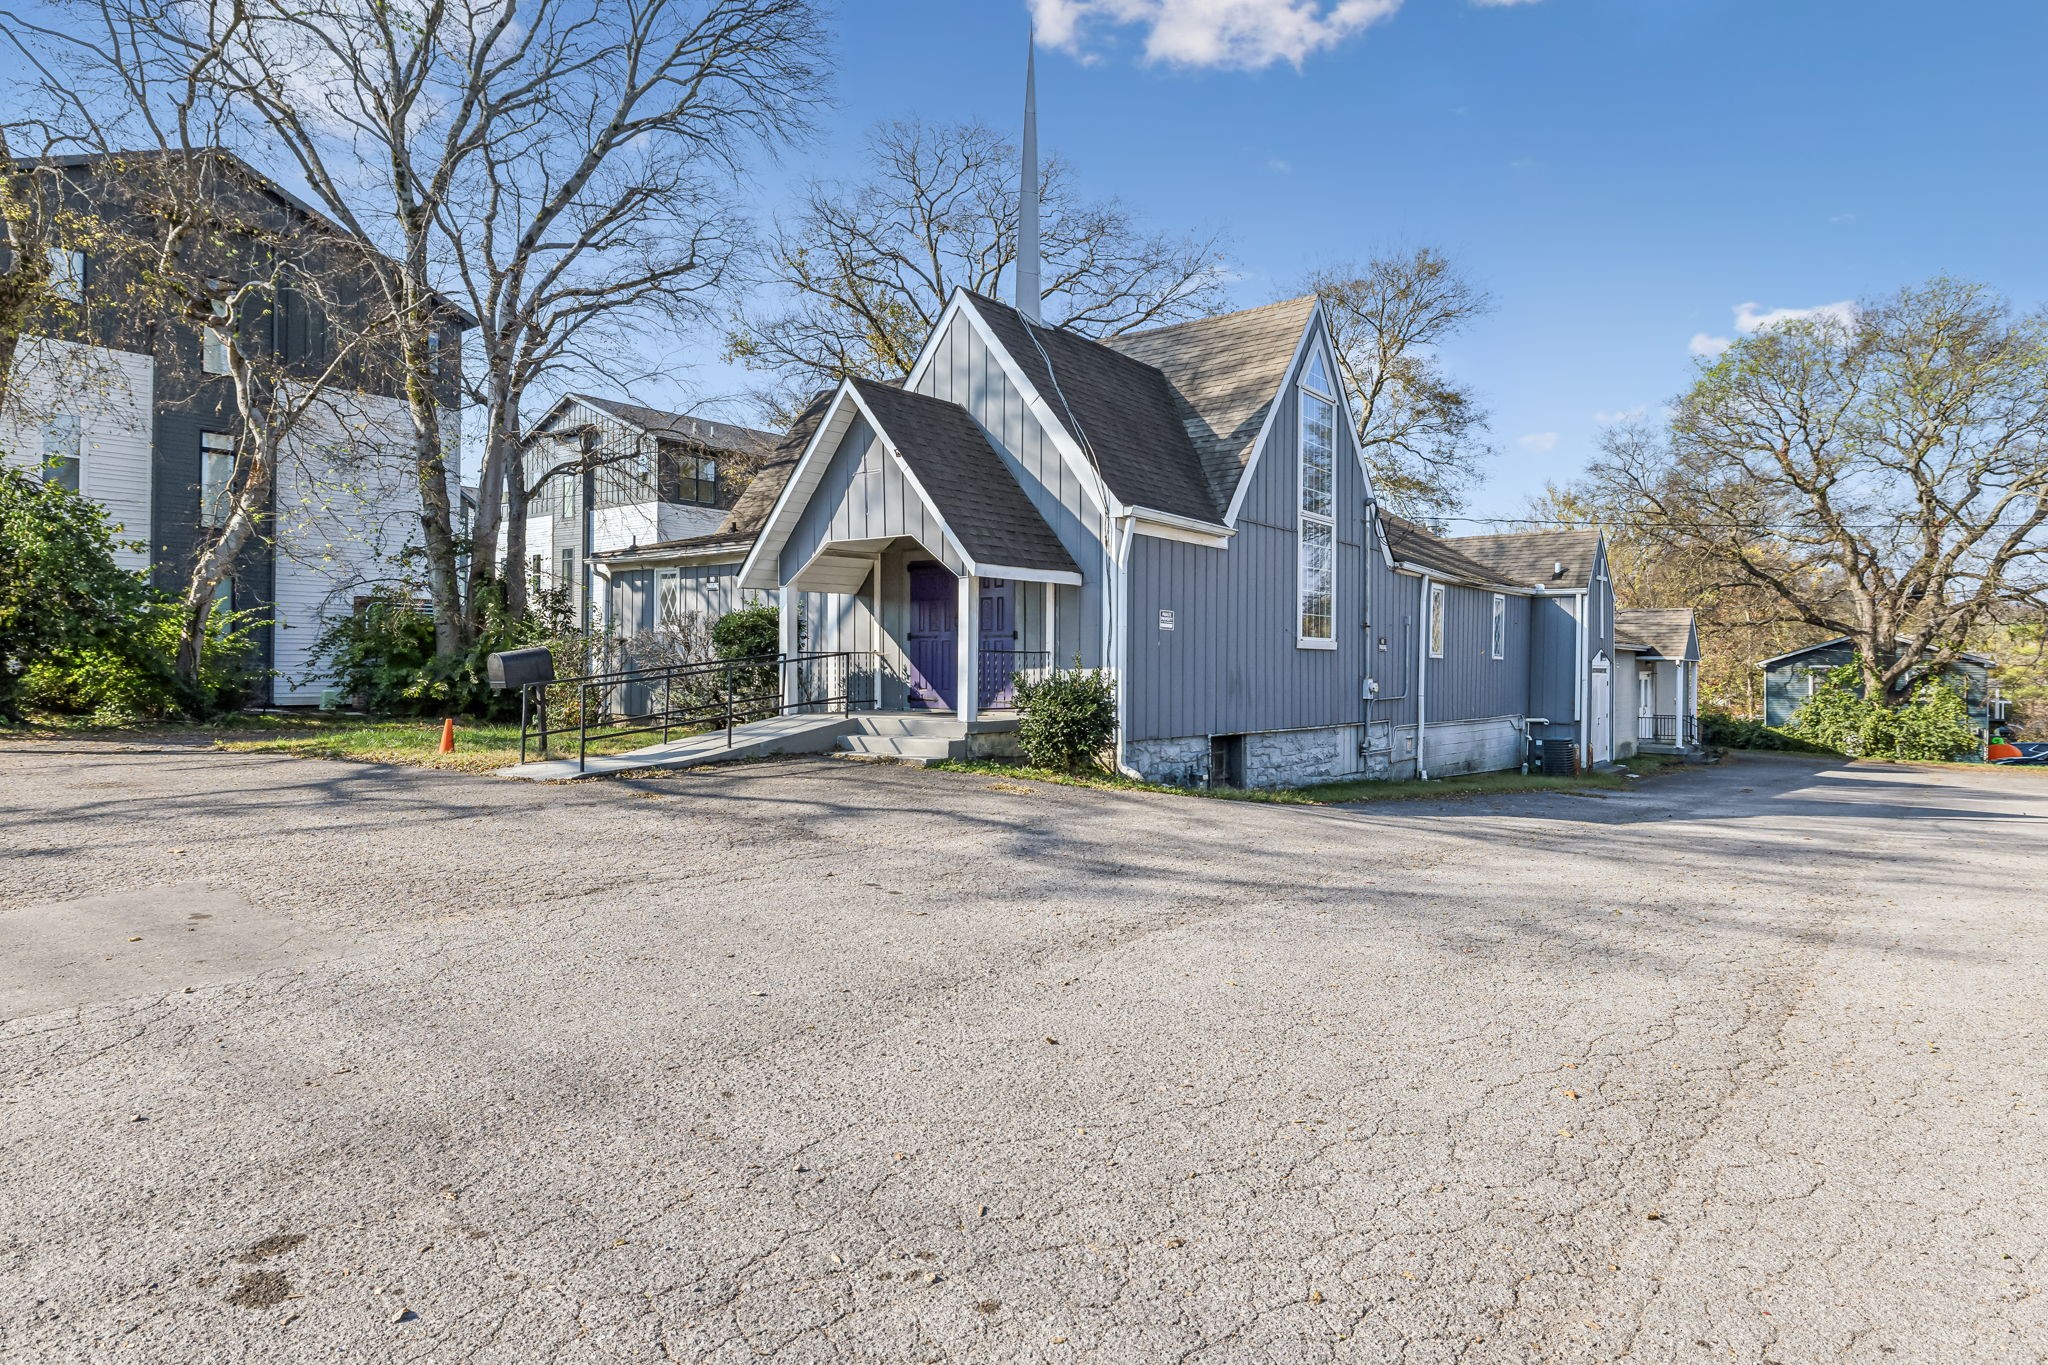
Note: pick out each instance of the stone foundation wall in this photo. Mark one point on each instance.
(1274, 758)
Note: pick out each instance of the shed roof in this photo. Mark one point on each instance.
(1663, 631)
(1411, 544)
(970, 487)
(1535, 557)
(1984, 659)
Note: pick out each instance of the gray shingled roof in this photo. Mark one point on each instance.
(1224, 373)
(1411, 544)
(967, 481)
(1663, 631)
(1531, 556)
(1120, 409)
(683, 427)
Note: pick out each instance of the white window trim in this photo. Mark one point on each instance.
(1498, 624)
(1436, 626)
(1302, 515)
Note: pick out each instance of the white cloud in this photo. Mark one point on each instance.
(1244, 34)
(1620, 415)
(1752, 318)
(1749, 321)
(1541, 442)
(1279, 167)
(1703, 344)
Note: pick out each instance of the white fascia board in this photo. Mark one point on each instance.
(1093, 485)
(1148, 521)
(774, 531)
(1063, 577)
(1309, 333)
(732, 552)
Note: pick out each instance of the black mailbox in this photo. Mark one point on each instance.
(521, 667)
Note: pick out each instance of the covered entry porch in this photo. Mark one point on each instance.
(938, 639)
(1667, 704)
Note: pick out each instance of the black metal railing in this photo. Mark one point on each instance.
(692, 697)
(1682, 730)
(1000, 670)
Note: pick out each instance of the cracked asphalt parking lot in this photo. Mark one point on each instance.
(811, 1061)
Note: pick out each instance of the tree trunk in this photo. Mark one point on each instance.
(218, 561)
(486, 566)
(437, 520)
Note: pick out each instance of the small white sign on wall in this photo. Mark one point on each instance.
(1166, 618)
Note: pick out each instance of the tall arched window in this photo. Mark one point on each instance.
(1316, 580)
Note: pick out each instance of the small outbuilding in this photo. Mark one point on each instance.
(1789, 679)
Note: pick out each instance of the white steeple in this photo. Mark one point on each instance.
(1027, 198)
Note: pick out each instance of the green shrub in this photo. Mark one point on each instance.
(1933, 724)
(1725, 731)
(80, 635)
(1067, 719)
(749, 633)
(132, 678)
(383, 657)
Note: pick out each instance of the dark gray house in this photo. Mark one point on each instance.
(1188, 509)
(132, 407)
(1789, 679)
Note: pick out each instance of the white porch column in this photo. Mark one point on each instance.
(967, 704)
(785, 628)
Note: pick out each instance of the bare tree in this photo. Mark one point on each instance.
(602, 206)
(182, 237)
(1881, 476)
(866, 266)
(1423, 433)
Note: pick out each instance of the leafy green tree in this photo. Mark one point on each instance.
(1881, 476)
(60, 591)
(1933, 724)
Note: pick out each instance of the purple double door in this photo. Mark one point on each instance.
(933, 643)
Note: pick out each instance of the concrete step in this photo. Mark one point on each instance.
(923, 727)
(903, 746)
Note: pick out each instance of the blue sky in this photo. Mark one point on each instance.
(1622, 175)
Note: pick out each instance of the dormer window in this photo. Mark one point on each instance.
(1316, 580)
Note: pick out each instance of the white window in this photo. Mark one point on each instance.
(1436, 620)
(1500, 626)
(67, 274)
(213, 344)
(1316, 582)
(668, 598)
(216, 477)
(63, 452)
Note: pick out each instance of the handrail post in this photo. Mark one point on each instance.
(525, 694)
(543, 720)
(728, 706)
(582, 724)
(668, 687)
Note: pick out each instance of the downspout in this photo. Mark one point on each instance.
(1422, 680)
(1581, 683)
(1120, 634)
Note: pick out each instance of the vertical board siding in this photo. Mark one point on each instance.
(1468, 683)
(966, 372)
(1553, 661)
(1231, 664)
(864, 496)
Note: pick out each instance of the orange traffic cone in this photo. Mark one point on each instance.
(448, 735)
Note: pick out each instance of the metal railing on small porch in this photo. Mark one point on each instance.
(697, 697)
(1676, 730)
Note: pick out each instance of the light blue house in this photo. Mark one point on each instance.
(1187, 508)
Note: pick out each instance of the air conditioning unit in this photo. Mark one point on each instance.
(1560, 758)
